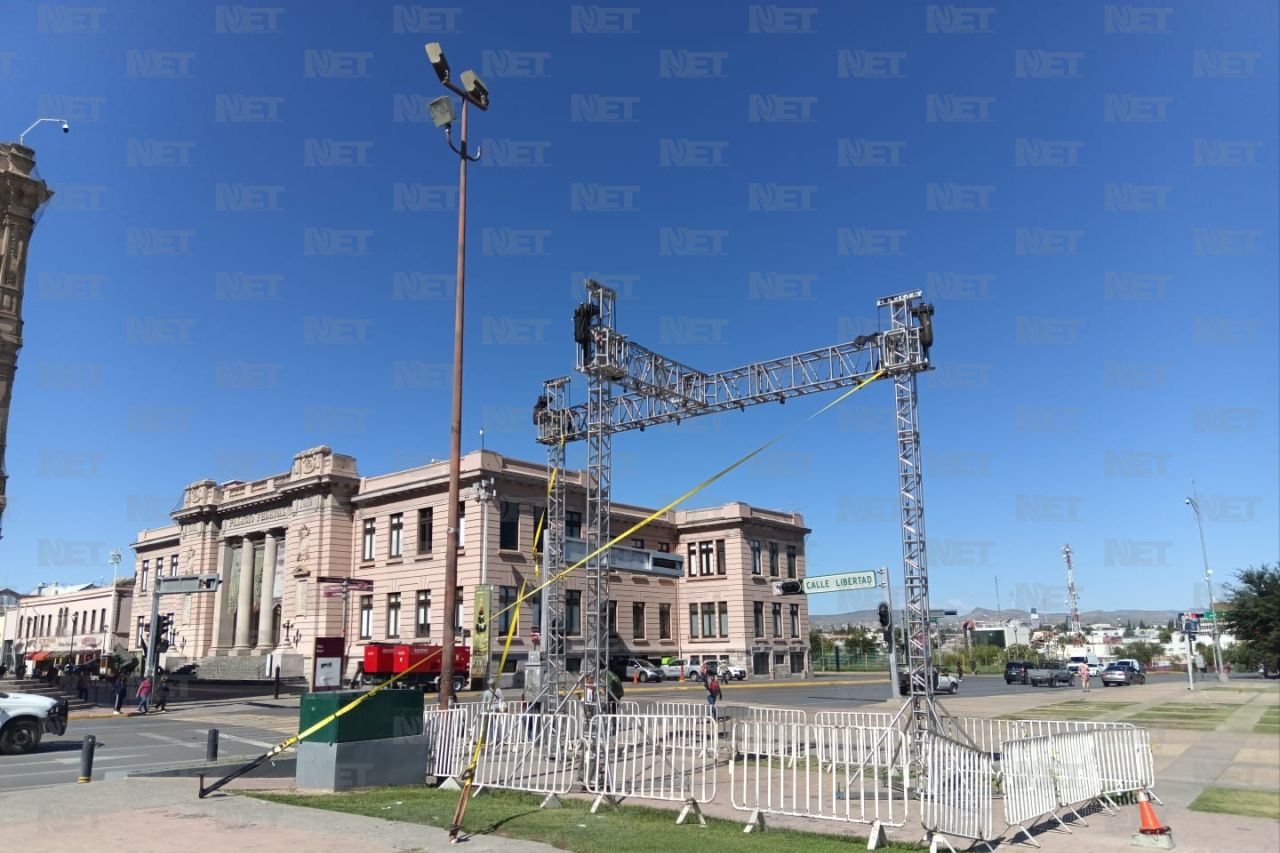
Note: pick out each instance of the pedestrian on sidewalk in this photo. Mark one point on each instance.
(1083, 670)
(120, 687)
(491, 700)
(162, 694)
(4, 668)
(144, 695)
(82, 686)
(712, 684)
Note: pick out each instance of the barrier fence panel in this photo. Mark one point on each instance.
(653, 758)
(449, 741)
(1029, 793)
(528, 752)
(1125, 762)
(956, 799)
(1075, 768)
(677, 709)
(777, 716)
(847, 774)
(854, 719)
(628, 708)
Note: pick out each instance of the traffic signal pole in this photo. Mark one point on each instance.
(149, 667)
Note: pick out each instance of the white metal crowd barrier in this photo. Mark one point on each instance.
(857, 719)
(528, 752)
(1075, 768)
(990, 735)
(956, 799)
(448, 741)
(857, 775)
(654, 758)
(677, 709)
(1029, 792)
(776, 716)
(1125, 762)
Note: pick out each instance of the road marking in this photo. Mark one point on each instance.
(96, 758)
(170, 740)
(258, 743)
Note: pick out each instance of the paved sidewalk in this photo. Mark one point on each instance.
(162, 815)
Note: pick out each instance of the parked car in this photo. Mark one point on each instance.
(1015, 671)
(25, 717)
(942, 683)
(642, 670)
(682, 667)
(734, 673)
(1122, 673)
(1050, 674)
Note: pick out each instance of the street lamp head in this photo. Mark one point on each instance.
(66, 128)
(435, 55)
(442, 112)
(477, 92)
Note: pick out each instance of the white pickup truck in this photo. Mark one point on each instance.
(25, 717)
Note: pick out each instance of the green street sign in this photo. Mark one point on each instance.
(848, 582)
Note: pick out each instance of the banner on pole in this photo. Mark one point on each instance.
(480, 646)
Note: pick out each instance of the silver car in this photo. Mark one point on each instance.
(1122, 674)
(642, 669)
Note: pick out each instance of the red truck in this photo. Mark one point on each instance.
(384, 660)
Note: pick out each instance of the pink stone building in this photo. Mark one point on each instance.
(81, 623)
(270, 541)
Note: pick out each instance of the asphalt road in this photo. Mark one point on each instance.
(834, 691)
(144, 743)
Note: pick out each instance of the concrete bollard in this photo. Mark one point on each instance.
(87, 746)
(211, 746)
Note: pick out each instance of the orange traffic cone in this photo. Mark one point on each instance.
(1152, 833)
(635, 677)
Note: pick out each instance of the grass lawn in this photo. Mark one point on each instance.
(1238, 802)
(626, 829)
(1269, 724)
(1184, 716)
(1074, 710)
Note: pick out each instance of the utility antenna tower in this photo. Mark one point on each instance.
(1073, 599)
(654, 389)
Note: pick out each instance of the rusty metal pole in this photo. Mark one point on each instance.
(455, 435)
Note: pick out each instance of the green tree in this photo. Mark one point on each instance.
(1129, 632)
(1252, 612)
(1166, 635)
(817, 644)
(861, 641)
(1142, 652)
(1020, 652)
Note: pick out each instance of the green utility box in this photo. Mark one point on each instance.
(387, 714)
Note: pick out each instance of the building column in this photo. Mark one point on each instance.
(221, 612)
(266, 602)
(244, 600)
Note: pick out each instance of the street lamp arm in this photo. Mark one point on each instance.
(461, 152)
(66, 128)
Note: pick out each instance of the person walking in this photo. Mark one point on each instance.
(712, 684)
(162, 694)
(144, 695)
(1083, 670)
(82, 686)
(120, 687)
(491, 699)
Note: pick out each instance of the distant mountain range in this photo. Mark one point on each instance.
(1153, 618)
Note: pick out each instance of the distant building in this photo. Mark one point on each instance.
(272, 540)
(59, 624)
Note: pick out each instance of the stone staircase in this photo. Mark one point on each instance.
(62, 689)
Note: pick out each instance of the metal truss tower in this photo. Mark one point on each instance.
(1074, 628)
(555, 395)
(906, 345)
(657, 390)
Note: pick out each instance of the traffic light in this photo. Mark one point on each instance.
(164, 625)
(883, 612)
(788, 588)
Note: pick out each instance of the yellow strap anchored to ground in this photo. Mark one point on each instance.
(468, 775)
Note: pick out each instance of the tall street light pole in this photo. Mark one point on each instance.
(1194, 503)
(473, 92)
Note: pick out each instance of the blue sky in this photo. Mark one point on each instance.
(253, 241)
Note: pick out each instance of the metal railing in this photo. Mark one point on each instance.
(855, 775)
(528, 752)
(957, 793)
(651, 757)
